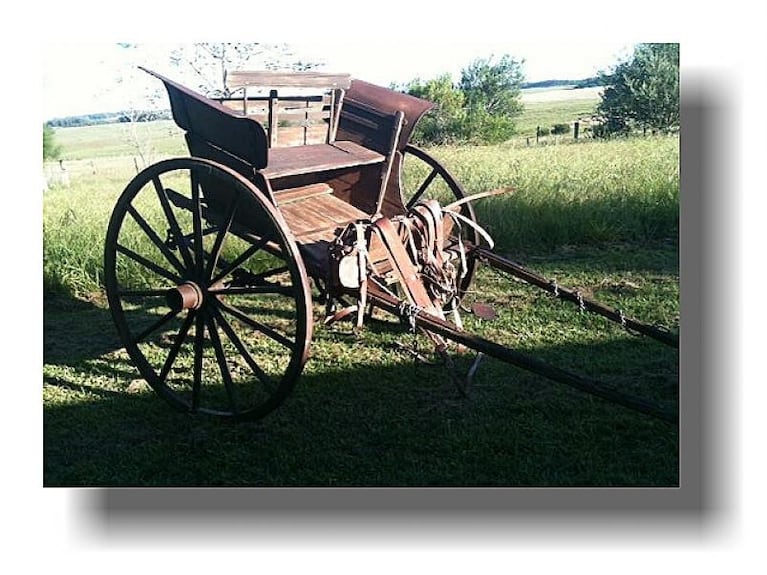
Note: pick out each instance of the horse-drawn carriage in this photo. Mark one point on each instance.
(213, 262)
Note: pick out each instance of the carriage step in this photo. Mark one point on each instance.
(293, 195)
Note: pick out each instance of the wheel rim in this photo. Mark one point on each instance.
(424, 178)
(207, 289)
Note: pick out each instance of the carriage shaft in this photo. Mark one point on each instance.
(574, 296)
(433, 324)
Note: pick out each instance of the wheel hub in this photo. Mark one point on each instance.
(187, 295)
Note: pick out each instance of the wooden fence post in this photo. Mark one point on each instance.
(576, 127)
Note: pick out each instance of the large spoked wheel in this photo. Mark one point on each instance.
(424, 178)
(207, 289)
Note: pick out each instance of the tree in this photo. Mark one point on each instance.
(643, 91)
(481, 108)
(492, 93)
(493, 88)
(51, 149)
(210, 62)
(140, 94)
(443, 124)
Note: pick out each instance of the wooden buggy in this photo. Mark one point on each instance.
(213, 261)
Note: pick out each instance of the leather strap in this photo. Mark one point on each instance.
(406, 272)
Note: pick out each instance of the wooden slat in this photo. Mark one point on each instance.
(318, 218)
(299, 136)
(269, 79)
(292, 195)
(315, 99)
(316, 232)
(317, 158)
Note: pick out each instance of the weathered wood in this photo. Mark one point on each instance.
(385, 102)
(275, 79)
(214, 123)
(314, 222)
(276, 111)
(292, 195)
(317, 158)
(336, 101)
(399, 119)
(272, 124)
(282, 108)
(291, 136)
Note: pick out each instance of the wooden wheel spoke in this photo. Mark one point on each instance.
(220, 237)
(129, 293)
(148, 264)
(162, 194)
(156, 240)
(269, 273)
(235, 339)
(241, 259)
(197, 245)
(255, 290)
(257, 325)
(155, 326)
(422, 189)
(226, 375)
(199, 340)
(177, 343)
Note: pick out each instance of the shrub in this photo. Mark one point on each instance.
(558, 129)
(51, 150)
(480, 109)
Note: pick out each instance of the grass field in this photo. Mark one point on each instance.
(599, 216)
(545, 108)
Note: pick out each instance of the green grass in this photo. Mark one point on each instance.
(113, 140)
(599, 216)
(578, 194)
(364, 415)
(547, 114)
(585, 193)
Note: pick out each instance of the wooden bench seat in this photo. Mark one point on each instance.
(315, 216)
(314, 158)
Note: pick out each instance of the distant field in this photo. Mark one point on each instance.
(547, 107)
(113, 140)
(561, 94)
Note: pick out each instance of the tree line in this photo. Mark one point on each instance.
(641, 92)
(109, 118)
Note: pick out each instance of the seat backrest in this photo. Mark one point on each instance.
(382, 120)
(297, 108)
(209, 125)
(366, 107)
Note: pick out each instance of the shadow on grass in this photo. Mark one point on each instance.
(75, 330)
(386, 424)
(654, 258)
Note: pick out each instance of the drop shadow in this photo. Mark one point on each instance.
(705, 460)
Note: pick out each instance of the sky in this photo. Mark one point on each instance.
(81, 78)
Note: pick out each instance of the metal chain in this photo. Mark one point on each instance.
(581, 303)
